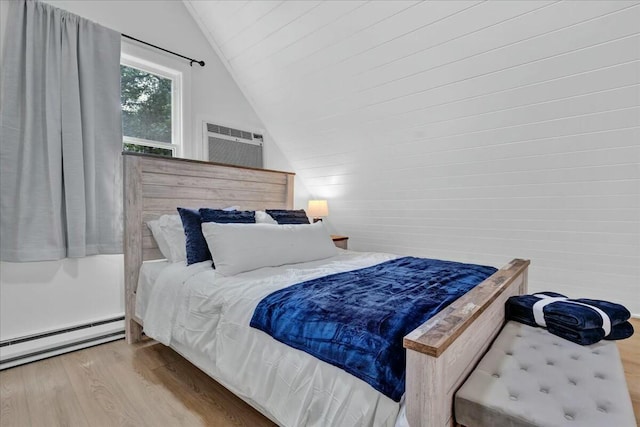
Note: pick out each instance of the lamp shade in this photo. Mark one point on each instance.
(317, 208)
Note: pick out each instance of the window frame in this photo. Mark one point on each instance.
(136, 60)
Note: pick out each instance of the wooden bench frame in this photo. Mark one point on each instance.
(440, 353)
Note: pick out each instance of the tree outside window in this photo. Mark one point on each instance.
(147, 112)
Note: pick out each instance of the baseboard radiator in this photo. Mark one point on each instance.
(21, 350)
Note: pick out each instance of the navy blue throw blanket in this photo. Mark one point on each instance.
(591, 336)
(356, 320)
(573, 322)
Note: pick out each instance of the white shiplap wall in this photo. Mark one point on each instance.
(474, 131)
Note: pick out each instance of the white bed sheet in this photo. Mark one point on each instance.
(205, 317)
(149, 272)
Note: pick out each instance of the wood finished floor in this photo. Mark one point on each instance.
(149, 384)
(630, 354)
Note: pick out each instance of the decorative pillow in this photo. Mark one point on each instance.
(284, 216)
(264, 218)
(240, 247)
(175, 237)
(169, 235)
(196, 245)
(225, 216)
(158, 235)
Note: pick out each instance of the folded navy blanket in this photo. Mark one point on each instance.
(572, 319)
(568, 314)
(590, 336)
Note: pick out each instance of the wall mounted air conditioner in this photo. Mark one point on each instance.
(232, 146)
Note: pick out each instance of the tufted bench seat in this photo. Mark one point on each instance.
(532, 378)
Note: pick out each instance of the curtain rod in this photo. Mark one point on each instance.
(191, 60)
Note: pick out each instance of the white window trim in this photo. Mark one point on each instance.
(179, 72)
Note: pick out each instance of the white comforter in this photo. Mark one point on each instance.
(205, 316)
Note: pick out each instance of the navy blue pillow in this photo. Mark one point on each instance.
(284, 216)
(227, 217)
(196, 245)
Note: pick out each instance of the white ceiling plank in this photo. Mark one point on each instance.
(574, 66)
(493, 61)
(285, 14)
(226, 28)
(222, 9)
(335, 58)
(490, 39)
(296, 32)
(430, 105)
(354, 58)
(349, 26)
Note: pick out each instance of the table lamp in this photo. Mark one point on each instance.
(317, 209)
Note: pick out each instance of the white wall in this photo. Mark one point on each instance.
(36, 297)
(475, 131)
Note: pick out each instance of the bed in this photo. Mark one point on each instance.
(440, 353)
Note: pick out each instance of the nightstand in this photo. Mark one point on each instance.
(340, 241)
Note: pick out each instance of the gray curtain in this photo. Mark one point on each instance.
(61, 136)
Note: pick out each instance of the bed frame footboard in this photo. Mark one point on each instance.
(443, 351)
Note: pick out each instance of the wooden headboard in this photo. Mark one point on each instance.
(155, 185)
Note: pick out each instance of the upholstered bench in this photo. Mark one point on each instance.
(532, 378)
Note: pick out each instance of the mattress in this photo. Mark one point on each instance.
(205, 317)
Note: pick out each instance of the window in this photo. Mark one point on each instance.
(151, 107)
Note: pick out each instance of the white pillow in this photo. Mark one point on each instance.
(158, 235)
(243, 247)
(264, 218)
(169, 235)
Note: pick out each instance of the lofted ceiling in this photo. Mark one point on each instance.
(471, 130)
